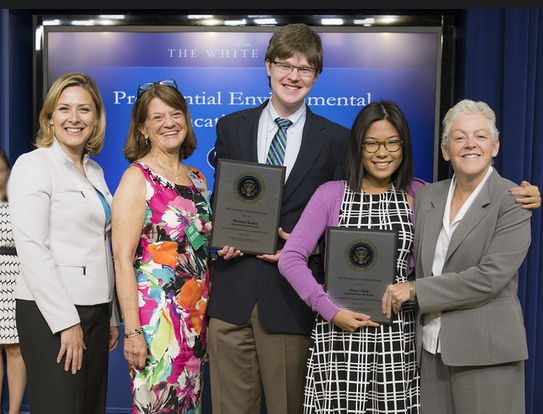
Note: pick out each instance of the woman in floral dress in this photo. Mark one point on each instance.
(159, 242)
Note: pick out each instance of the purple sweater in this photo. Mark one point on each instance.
(321, 211)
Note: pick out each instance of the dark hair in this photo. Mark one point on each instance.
(378, 111)
(135, 145)
(4, 157)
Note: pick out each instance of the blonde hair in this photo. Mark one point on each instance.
(136, 146)
(46, 133)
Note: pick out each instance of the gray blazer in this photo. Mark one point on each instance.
(482, 321)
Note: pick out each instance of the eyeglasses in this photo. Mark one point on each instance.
(390, 146)
(147, 85)
(287, 68)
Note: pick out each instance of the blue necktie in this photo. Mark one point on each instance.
(276, 153)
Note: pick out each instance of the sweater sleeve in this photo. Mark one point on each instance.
(317, 216)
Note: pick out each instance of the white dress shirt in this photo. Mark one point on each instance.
(432, 321)
(267, 129)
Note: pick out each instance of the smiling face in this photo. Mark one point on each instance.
(289, 89)
(381, 165)
(74, 119)
(165, 126)
(470, 147)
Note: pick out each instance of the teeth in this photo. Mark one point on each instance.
(73, 129)
(291, 87)
(170, 133)
(382, 164)
(471, 156)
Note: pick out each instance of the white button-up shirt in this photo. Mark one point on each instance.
(267, 129)
(432, 321)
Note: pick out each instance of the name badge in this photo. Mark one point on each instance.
(194, 236)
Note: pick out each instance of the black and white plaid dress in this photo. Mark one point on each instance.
(9, 271)
(371, 370)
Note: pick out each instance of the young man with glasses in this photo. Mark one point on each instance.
(259, 327)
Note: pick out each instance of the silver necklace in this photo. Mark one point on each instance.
(164, 170)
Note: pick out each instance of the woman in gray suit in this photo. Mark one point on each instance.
(470, 240)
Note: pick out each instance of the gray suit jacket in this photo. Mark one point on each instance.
(482, 321)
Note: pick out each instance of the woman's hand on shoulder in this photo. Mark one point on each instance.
(351, 321)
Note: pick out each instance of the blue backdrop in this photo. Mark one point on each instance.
(223, 71)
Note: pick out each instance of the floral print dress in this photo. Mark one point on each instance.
(172, 277)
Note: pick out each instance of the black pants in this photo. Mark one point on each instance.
(51, 390)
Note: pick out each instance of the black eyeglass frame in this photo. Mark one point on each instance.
(379, 143)
(144, 86)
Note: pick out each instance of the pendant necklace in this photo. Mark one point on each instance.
(164, 170)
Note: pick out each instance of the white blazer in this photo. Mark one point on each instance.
(61, 235)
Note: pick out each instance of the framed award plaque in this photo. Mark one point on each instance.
(246, 206)
(360, 264)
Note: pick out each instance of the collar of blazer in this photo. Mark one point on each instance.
(93, 171)
(433, 219)
(61, 154)
(314, 137)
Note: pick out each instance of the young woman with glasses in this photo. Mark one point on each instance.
(356, 365)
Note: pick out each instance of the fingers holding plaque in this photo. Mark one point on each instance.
(246, 206)
(360, 264)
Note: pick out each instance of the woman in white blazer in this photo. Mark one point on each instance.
(470, 239)
(60, 209)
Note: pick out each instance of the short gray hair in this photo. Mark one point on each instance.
(469, 107)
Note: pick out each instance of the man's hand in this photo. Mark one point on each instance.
(528, 195)
(273, 258)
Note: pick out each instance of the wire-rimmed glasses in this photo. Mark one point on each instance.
(284, 67)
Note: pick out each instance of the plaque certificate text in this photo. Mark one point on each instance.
(360, 264)
(246, 206)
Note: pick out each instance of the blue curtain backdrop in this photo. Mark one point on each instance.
(503, 66)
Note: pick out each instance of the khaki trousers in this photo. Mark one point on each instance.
(246, 360)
